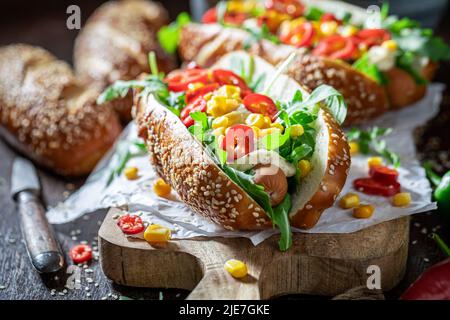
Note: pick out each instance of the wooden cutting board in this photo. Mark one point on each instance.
(318, 264)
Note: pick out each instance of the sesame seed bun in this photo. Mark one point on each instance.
(115, 42)
(48, 115)
(183, 162)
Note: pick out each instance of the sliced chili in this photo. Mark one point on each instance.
(384, 174)
(374, 187)
(179, 80)
(259, 103)
(130, 224)
(81, 253)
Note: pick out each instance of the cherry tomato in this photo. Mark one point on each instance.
(179, 80)
(336, 47)
(384, 174)
(259, 103)
(193, 94)
(291, 7)
(373, 37)
(236, 18)
(199, 104)
(224, 77)
(374, 187)
(210, 16)
(301, 36)
(329, 17)
(130, 224)
(239, 140)
(81, 253)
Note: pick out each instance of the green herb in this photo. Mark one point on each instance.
(347, 17)
(441, 244)
(201, 129)
(168, 36)
(384, 10)
(370, 69)
(152, 62)
(406, 61)
(369, 142)
(257, 34)
(221, 10)
(313, 13)
(280, 218)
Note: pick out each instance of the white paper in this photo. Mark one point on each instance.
(139, 197)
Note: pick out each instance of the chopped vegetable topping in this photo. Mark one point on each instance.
(81, 253)
(130, 224)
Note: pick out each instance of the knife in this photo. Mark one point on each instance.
(43, 249)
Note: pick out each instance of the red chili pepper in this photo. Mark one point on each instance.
(210, 16)
(131, 224)
(81, 253)
(374, 187)
(373, 37)
(336, 47)
(384, 174)
(200, 92)
(199, 104)
(235, 18)
(239, 140)
(329, 17)
(433, 284)
(301, 36)
(179, 80)
(224, 77)
(291, 7)
(259, 103)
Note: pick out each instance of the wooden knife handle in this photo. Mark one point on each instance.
(43, 249)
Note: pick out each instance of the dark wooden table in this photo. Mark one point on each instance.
(18, 280)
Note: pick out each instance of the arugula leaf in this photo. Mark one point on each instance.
(275, 140)
(313, 13)
(176, 101)
(406, 61)
(280, 218)
(168, 36)
(370, 69)
(201, 127)
(299, 153)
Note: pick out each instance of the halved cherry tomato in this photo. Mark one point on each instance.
(179, 80)
(239, 140)
(199, 104)
(236, 18)
(374, 187)
(210, 16)
(373, 37)
(301, 36)
(291, 7)
(384, 174)
(259, 103)
(200, 92)
(329, 17)
(130, 224)
(224, 77)
(81, 253)
(336, 47)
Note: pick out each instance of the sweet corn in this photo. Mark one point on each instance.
(350, 200)
(277, 125)
(354, 148)
(195, 85)
(363, 211)
(297, 130)
(255, 120)
(221, 121)
(219, 105)
(402, 199)
(328, 28)
(236, 268)
(265, 132)
(349, 31)
(131, 173)
(305, 167)
(391, 45)
(157, 234)
(219, 131)
(229, 91)
(375, 161)
(161, 188)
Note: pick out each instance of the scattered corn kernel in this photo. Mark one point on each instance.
(161, 188)
(157, 234)
(277, 125)
(218, 122)
(255, 120)
(402, 199)
(328, 28)
(131, 173)
(297, 130)
(350, 200)
(354, 148)
(375, 161)
(391, 45)
(305, 167)
(236, 268)
(363, 211)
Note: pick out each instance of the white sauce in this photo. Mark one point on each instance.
(382, 57)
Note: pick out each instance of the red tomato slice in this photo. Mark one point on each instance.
(193, 94)
(179, 80)
(384, 174)
(199, 104)
(374, 187)
(224, 77)
(329, 17)
(373, 37)
(291, 7)
(259, 103)
(301, 36)
(336, 47)
(236, 18)
(239, 140)
(130, 224)
(81, 253)
(210, 16)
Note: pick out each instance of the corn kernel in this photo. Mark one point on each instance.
(265, 132)
(402, 199)
(229, 91)
(267, 122)
(255, 120)
(131, 173)
(328, 28)
(157, 234)
(363, 211)
(297, 130)
(391, 45)
(354, 148)
(221, 121)
(375, 161)
(257, 131)
(195, 85)
(305, 167)
(208, 96)
(234, 117)
(277, 125)
(236, 268)
(349, 31)
(161, 188)
(350, 200)
(219, 131)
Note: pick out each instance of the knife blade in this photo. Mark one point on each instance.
(43, 249)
